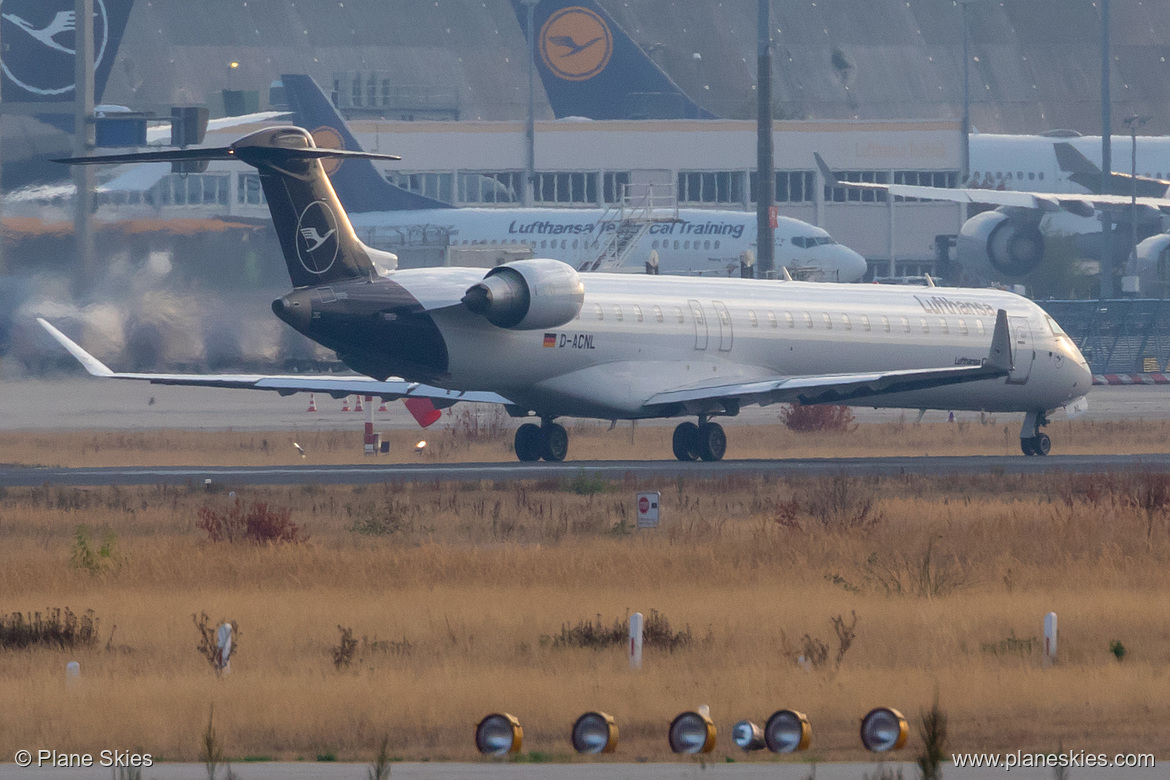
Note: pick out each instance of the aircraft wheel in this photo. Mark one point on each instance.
(554, 442)
(1041, 445)
(686, 441)
(1026, 446)
(527, 442)
(712, 441)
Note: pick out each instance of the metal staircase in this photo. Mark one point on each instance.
(629, 219)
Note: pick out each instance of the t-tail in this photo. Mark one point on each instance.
(358, 183)
(591, 68)
(319, 243)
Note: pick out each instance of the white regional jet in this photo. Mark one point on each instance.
(548, 342)
(698, 242)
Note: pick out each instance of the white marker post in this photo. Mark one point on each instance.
(636, 626)
(1049, 638)
(72, 673)
(223, 657)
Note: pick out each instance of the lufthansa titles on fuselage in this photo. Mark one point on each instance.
(544, 227)
(939, 304)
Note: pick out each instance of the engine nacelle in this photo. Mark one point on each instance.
(1153, 264)
(996, 245)
(528, 295)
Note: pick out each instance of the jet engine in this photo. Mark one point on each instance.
(528, 295)
(997, 244)
(1153, 264)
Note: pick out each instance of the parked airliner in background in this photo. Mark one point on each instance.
(692, 242)
(549, 342)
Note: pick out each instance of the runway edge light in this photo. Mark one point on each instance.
(692, 732)
(595, 732)
(883, 729)
(787, 731)
(499, 734)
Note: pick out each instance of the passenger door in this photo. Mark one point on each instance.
(1022, 351)
(700, 324)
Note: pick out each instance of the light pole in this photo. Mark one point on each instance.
(1133, 123)
(1106, 273)
(530, 124)
(966, 127)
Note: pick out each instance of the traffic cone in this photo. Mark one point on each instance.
(312, 403)
(383, 408)
(358, 406)
(345, 404)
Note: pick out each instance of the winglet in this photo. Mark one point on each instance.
(91, 364)
(787, 276)
(1000, 354)
(831, 179)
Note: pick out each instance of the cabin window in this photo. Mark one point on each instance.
(807, 320)
(706, 245)
(789, 319)
(687, 244)
(597, 310)
(752, 319)
(845, 323)
(676, 243)
(905, 324)
(654, 244)
(962, 327)
(1041, 175)
(942, 324)
(865, 323)
(658, 313)
(925, 325)
(678, 311)
(772, 320)
(575, 240)
(886, 323)
(637, 313)
(828, 321)
(717, 240)
(617, 312)
(979, 327)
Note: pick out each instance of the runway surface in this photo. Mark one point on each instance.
(86, 403)
(578, 771)
(17, 476)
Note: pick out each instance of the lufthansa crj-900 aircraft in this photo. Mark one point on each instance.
(699, 242)
(548, 342)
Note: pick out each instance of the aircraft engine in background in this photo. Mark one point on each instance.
(997, 244)
(528, 295)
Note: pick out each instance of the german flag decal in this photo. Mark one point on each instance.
(550, 339)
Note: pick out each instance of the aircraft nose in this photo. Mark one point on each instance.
(852, 265)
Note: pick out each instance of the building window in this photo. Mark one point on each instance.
(947, 179)
(565, 187)
(614, 185)
(491, 187)
(710, 186)
(357, 90)
(791, 187)
(432, 185)
(248, 190)
(843, 194)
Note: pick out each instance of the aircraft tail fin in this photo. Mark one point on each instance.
(318, 241)
(590, 67)
(359, 185)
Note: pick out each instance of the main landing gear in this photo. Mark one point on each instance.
(705, 441)
(1032, 442)
(547, 440)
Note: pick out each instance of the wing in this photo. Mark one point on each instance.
(846, 388)
(337, 386)
(1081, 205)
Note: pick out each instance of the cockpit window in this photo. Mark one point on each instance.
(1055, 328)
(807, 242)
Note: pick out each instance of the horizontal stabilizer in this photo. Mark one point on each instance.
(222, 153)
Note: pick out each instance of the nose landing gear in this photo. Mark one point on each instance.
(548, 440)
(705, 441)
(1032, 441)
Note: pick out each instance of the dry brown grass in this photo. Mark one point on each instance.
(473, 576)
(588, 441)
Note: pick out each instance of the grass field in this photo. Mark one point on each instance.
(461, 590)
(489, 438)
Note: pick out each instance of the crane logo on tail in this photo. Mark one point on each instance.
(317, 237)
(576, 43)
(40, 41)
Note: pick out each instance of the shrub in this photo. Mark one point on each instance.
(656, 633)
(255, 522)
(817, 418)
(57, 628)
(104, 559)
(932, 730)
(1117, 649)
(208, 646)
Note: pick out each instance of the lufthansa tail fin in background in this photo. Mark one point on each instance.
(319, 243)
(591, 68)
(358, 184)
